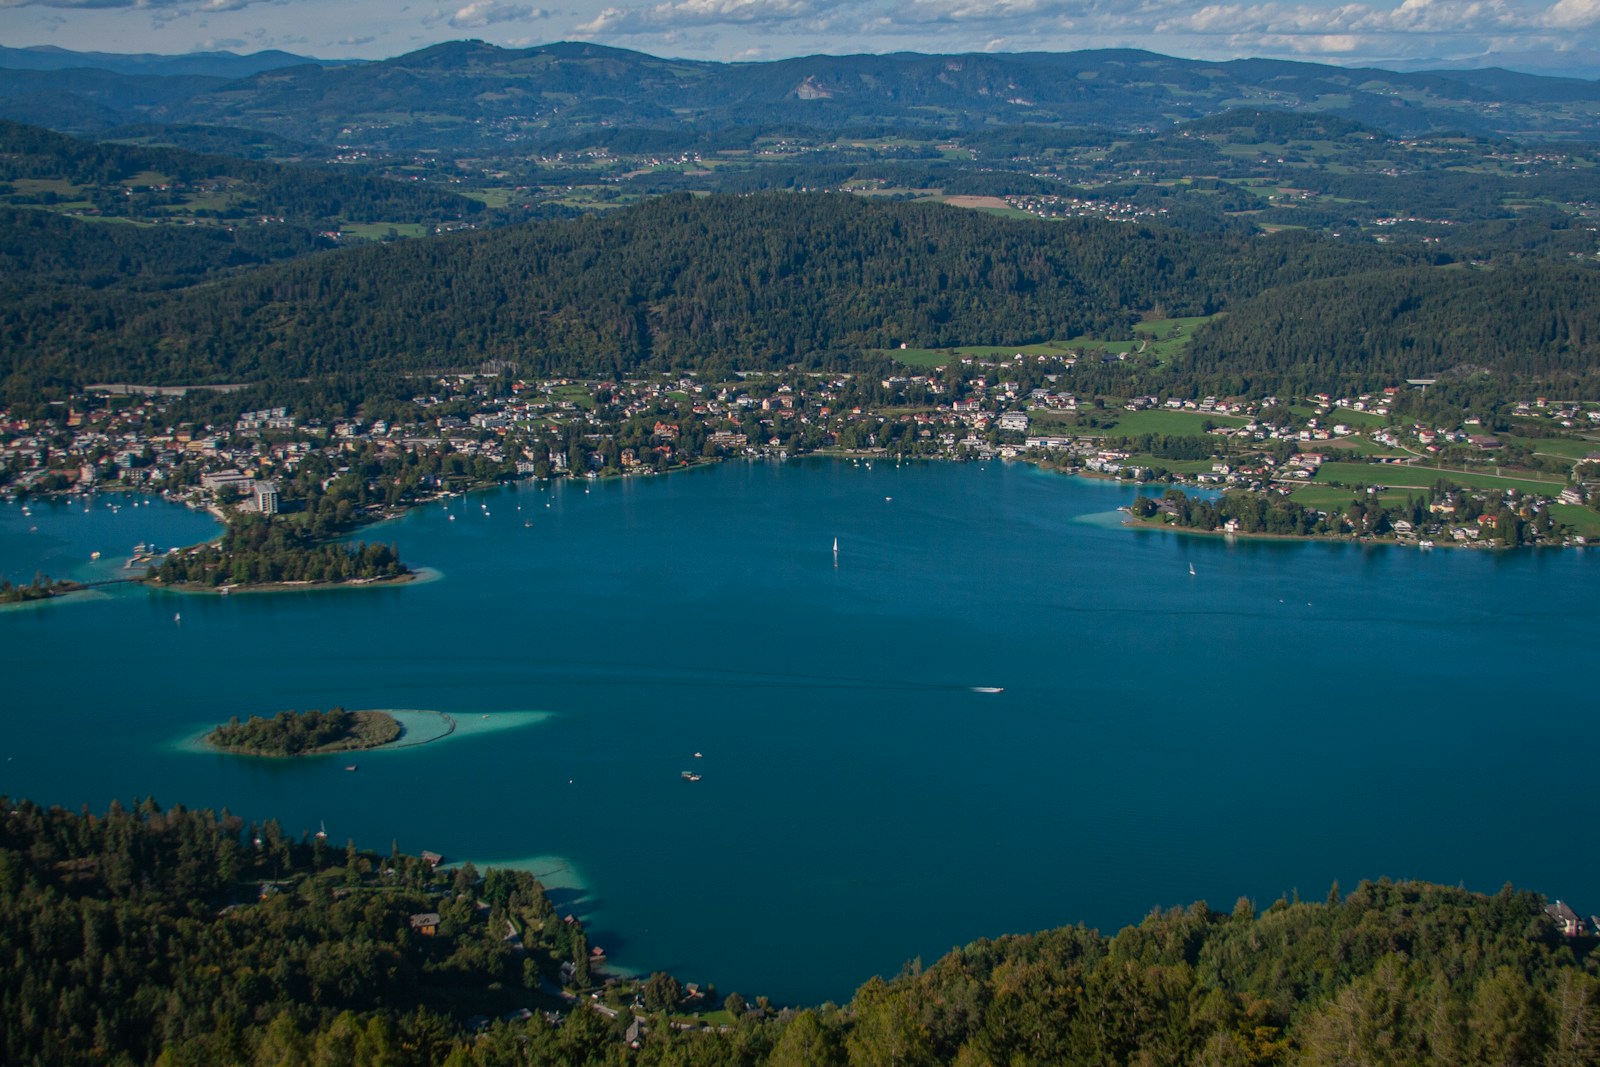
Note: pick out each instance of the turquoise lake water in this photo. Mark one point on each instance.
(1290, 715)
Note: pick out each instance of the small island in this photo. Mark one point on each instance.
(261, 551)
(41, 588)
(308, 733)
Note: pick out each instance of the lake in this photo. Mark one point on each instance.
(1290, 715)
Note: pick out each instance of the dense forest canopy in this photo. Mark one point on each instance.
(677, 282)
(767, 280)
(1530, 322)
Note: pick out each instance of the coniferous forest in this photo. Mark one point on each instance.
(773, 279)
(145, 935)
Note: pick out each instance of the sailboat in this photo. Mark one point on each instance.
(1191, 570)
(835, 551)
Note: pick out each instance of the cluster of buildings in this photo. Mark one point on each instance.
(1074, 207)
(1016, 407)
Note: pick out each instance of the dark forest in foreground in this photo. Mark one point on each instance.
(188, 937)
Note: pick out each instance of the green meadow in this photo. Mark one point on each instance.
(1159, 338)
(1398, 476)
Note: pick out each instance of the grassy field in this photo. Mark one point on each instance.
(377, 231)
(1568, 448)
(1326, 497)
(1584, 521)
(1157, 420)
(1425, 477)
(1157, 337)
(1357, 419)
(496, 196)
(577, 394)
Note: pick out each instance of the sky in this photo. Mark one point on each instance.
(1543, 36)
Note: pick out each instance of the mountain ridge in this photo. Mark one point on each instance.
(470, 94)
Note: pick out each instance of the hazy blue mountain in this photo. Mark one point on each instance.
(208, 64)
(468, 95)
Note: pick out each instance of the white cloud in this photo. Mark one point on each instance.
(1573, 14)
(676, 14)
(482, 13)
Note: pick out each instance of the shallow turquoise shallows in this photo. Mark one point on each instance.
(1289, 715)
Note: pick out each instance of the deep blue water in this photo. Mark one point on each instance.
(1290, 715)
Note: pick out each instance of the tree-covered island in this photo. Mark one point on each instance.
(257, 551)
(307, 733)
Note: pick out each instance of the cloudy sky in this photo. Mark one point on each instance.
(1553, 35)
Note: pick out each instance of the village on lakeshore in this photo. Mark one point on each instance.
(1362, 466)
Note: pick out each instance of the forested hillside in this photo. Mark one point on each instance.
(45, 253)
(1533, 322)
(192, 938)
(45, 168)
(677, 282)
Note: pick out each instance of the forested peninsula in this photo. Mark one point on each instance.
(306, 733)
(191, 937)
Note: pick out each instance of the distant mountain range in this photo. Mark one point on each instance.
(471, 96)
(206, 64)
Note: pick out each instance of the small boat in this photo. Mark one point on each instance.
(689, 776)
(1191, 570)
(93, 556)
(322, 834)
(351, 767)
(527, 523)
(452, 518)
(988, 688)
(177, 616)
(887, 499)
(697, 755)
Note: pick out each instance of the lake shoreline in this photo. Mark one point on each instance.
(196, 588)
